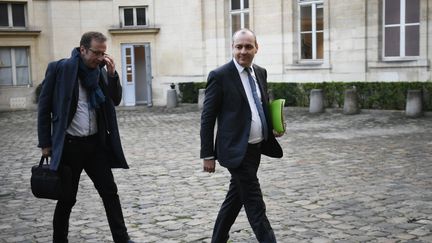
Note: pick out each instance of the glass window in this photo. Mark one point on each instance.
(392, 9)
(14, 66)
(5, 66)
(246, 20)
(236, 22)
(133, 16)
(412, 13)
(18, 17)
(12, 15)
(246, 3)
(4, 20)
(412, 34)
(306, 46)
(306, 18)
(239, 15)
(141, 16)
(235, 4)
(401, 28)
(392, 47)
(320, 18)
(311, 30)
(5, 57)
(128, 17)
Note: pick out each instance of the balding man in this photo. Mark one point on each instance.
(236, 97)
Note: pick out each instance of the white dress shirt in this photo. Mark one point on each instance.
(84, 121)
(255, 135)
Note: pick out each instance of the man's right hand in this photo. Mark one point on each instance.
(46, 152)
(209, 165)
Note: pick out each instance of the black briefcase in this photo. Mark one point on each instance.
(45, 183)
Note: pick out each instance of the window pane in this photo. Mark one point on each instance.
(141, 17)
(392, 42)
(306, 46)
(319, 18)
(412, 14)
(320, 45)
(22, 76)
(21, 57)
(246, 4)
(235, 22)
(306, 18)
(5, 57)
(128, 17)
(5, 76)
(128, 52)
(412, 42)
(4, 21)
(235, 4)
(246, 20)
(392, 11)
(18, 16)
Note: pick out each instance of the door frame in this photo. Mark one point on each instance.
(129, 87)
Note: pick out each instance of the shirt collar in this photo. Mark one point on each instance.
(240, 68)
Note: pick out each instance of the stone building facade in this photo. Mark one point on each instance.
(159, 42)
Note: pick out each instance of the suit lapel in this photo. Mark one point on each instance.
(237, 80)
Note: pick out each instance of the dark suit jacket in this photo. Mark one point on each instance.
(57, 105)
(226, 102)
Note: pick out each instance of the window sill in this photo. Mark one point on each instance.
(400, 59)
(309, 65)
(19, 32)
(11, 86)
(400, 63)
(134, 30)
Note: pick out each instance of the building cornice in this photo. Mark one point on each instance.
(20, 32)
(134, 31)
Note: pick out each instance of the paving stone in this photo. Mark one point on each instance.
(362, 178)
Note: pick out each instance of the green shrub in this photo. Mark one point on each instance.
(371, 95)
(189, 91)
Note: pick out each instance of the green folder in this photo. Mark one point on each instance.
(276, 112)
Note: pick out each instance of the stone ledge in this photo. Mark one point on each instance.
(128, 31)
(19, 32)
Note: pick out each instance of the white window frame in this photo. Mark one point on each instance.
(402, 26)
(14, 66)
(10, 18)
(314, 31)
(122, 19)
(242, 11)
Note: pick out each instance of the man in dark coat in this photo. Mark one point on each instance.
(77, 127)
(236, 96)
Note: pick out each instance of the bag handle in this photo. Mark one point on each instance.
(42, 160)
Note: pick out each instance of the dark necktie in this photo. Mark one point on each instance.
(258, 104)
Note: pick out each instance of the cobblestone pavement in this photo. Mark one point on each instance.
(360, 178)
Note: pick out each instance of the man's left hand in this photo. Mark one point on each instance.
(110, 65)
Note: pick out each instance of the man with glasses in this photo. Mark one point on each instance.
(77, 127)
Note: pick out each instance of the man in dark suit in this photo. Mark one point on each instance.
(236, 96)
(77, 127)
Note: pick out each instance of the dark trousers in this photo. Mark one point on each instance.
(85, 154)
(244, 190)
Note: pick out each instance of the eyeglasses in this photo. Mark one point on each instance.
(98, 53)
